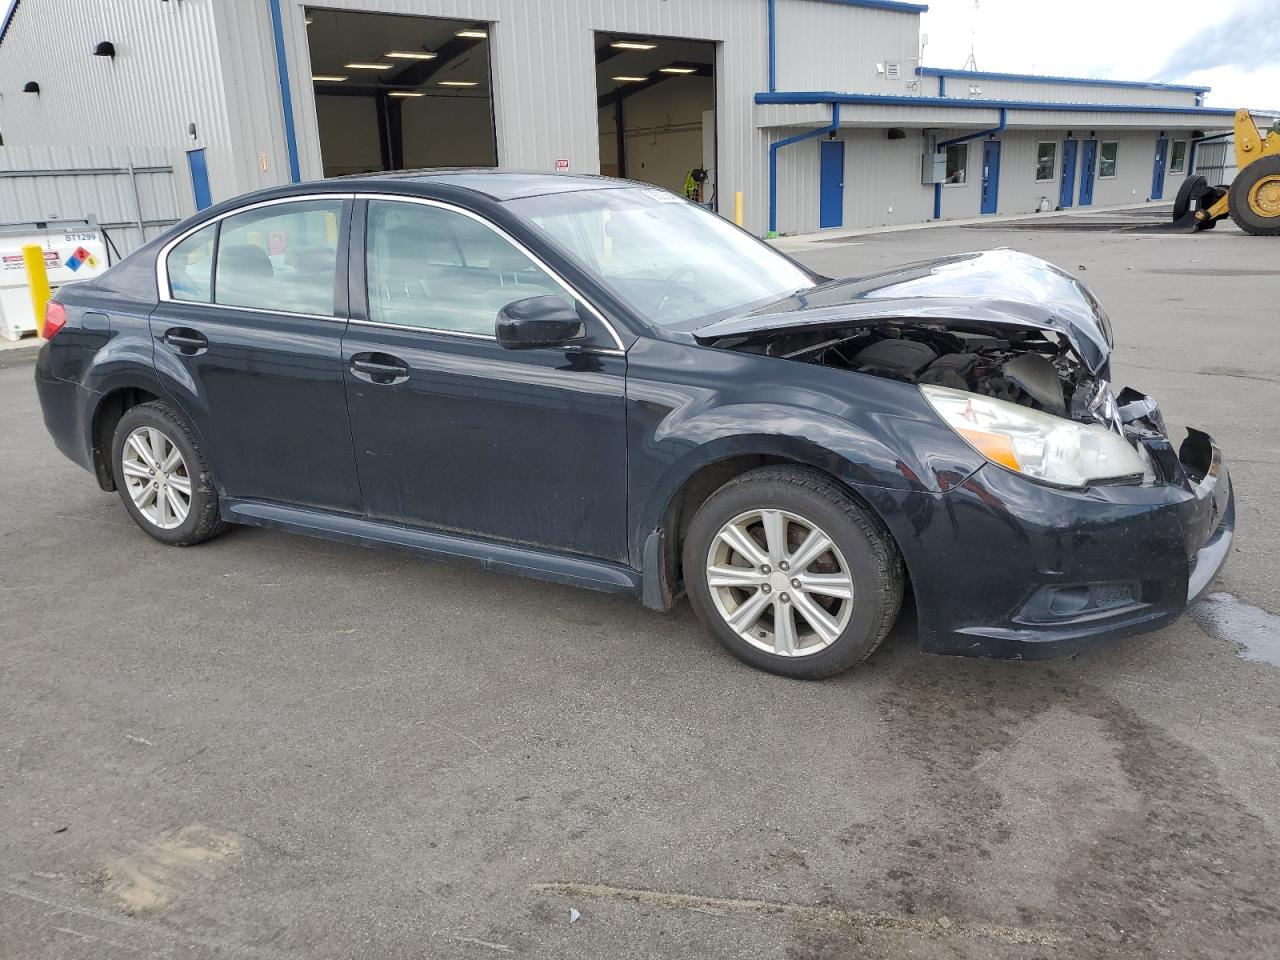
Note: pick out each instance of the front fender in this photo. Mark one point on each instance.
(872, 434)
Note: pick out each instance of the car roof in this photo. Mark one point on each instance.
(496, 184)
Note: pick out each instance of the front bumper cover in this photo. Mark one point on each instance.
(990, 559)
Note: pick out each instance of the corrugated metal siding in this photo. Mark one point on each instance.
(543, 64)
(109, 198)
(958, 86)
(828, 46)
(881, 182)
(165, 75)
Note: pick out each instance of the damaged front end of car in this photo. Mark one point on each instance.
(1117, 532)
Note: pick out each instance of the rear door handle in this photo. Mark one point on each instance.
(379, 368)
(186, 341)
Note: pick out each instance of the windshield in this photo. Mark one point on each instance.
(673, 262)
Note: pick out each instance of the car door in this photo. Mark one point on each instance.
(248, 338)
(451, 430)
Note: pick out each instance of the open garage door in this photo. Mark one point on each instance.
(656, 99)
(399, 93)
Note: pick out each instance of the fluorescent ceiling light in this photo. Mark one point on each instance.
(368, 66)
(406, 93)
(472, 34)
(458, 83)
(633, 45)
(677, 70)
(327, 78)
(631, 79)
(410, 55)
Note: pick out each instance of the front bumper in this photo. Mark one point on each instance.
(1005, 567)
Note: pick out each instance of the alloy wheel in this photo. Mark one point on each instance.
(155, 474)
(780, 582)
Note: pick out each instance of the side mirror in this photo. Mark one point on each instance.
(538, 322)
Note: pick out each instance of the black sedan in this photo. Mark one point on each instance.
(598, 383)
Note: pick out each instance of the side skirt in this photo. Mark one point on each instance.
(502, 557)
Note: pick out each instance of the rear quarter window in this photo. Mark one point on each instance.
(190, 267)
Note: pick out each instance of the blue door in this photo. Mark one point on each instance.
(199, 179)
(1067, 192)
(1088, 165)
(831, 185)
(990, 175)
(1157, 171)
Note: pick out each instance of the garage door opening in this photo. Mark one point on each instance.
(656, 100)
(399, 93)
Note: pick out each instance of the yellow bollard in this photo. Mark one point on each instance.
(737, 208)
(38, 282)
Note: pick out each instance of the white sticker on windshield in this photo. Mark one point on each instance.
(664, 196)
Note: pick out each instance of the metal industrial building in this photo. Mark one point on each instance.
(818, 111)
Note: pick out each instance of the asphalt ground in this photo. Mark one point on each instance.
(274, 747)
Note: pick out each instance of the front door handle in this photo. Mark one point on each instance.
(379, 368)
(186, 341)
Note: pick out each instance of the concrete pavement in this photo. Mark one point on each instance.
(275, 747)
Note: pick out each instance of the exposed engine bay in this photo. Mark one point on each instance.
(1028, 367)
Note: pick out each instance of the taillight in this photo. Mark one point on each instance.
(55, 318)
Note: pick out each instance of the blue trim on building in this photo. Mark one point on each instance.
(942, 86)
(8, 19)
(898, 100)
(286, 97)
(1038, 78)
(773, 161)
(893, 6)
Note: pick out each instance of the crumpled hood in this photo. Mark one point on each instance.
(995, 287)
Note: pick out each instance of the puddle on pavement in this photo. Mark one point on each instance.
(1226, 617)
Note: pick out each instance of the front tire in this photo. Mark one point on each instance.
(1255, 198)
(791, 574)
(162, 477)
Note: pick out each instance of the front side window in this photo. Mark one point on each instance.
(190, 266)
(957, 163)
(1178, 157)
(281, 257)
(673, 262)
(1107, 158)
(438, 269)
(1046, 157)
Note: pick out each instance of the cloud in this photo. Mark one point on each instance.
(1247, 38)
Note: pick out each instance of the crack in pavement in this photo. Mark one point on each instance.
(800, 912)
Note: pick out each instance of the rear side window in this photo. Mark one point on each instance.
(281, 258)
(440, 270)
(191, 266)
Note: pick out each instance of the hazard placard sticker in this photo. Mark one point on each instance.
(79, 258)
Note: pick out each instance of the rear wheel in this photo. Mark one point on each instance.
(791, 574)
(162, 477)
(1255, 198)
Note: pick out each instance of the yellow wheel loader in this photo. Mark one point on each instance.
(1252, 200)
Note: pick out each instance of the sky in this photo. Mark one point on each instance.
(1232, 46)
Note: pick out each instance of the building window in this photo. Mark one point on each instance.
(1107, 157)
(957, 163)
(1178, 157)
(1046, 158)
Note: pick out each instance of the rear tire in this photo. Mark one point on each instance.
(162, 476)
(1255, 198)
(769, 602)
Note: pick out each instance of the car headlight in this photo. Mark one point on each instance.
(1037, 445)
